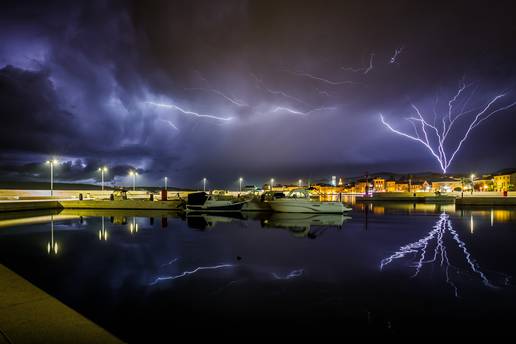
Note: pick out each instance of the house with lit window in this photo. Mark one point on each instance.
(505, 181)
(379, 184)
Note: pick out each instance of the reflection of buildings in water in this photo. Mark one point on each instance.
(422, 249)
(500, 215)
(52, 245)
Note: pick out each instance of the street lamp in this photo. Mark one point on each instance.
(133, 174)
(204, 184)
(472, 184)
(52, 163)
(102, 170)
(240, 182)
(166, 179)
(272, 183)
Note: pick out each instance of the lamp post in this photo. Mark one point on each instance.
(472, 184)
(240, 183)
(52, 163)
(204, 184)
(133, 174)
(102, 170)
(166, 179)
(272, 183)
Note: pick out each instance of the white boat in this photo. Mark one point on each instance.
(200, 201)
(298, 201)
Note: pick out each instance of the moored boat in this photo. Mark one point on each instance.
(201, 201)
(298, 201)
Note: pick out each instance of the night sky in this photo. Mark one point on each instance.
(260, 89)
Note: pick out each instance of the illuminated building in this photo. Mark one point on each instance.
(505, 181)
(379, 184)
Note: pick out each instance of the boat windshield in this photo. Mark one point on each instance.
(299, 193)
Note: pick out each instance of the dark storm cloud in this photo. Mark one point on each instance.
(303, 84)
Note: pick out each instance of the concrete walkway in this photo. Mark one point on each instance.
(29, 315)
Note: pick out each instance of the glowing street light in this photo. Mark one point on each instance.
(133, 174)
(472, 184)
(272, 183)
(102, 170)
(52, 163)
(240, 180)
(204, 184)
(166, 179)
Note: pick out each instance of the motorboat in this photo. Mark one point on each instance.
(299, 201)
(203, 202)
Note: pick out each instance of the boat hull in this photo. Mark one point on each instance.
(218, 208)
(305, 206)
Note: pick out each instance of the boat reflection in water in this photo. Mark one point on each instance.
(301, 224)
(436, 250)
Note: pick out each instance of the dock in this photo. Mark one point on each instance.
(29, 315)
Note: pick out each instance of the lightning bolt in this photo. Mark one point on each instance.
(434, 135)
(364, 70)
(262, 85)
(186, 112)
(188, 273)
(299, 113)
(394, 58)
(370, 67)
(217, 92)
(170, 124)
(290, 275)
(171, 262)
(321, 79)
(419, 248)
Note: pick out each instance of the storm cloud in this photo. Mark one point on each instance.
(220, 89)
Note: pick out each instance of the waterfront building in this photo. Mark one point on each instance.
(505, 181)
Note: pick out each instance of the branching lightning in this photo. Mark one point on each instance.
(420, 248)
(261, 84)
(434, 135)
(186, 112)
(188, 273)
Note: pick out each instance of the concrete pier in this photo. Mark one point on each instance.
(29, 315)
(486, 201)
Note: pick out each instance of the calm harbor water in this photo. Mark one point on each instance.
(381, 269)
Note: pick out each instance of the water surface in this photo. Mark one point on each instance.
(383, 269)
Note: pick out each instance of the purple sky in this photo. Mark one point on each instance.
(260, 89)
